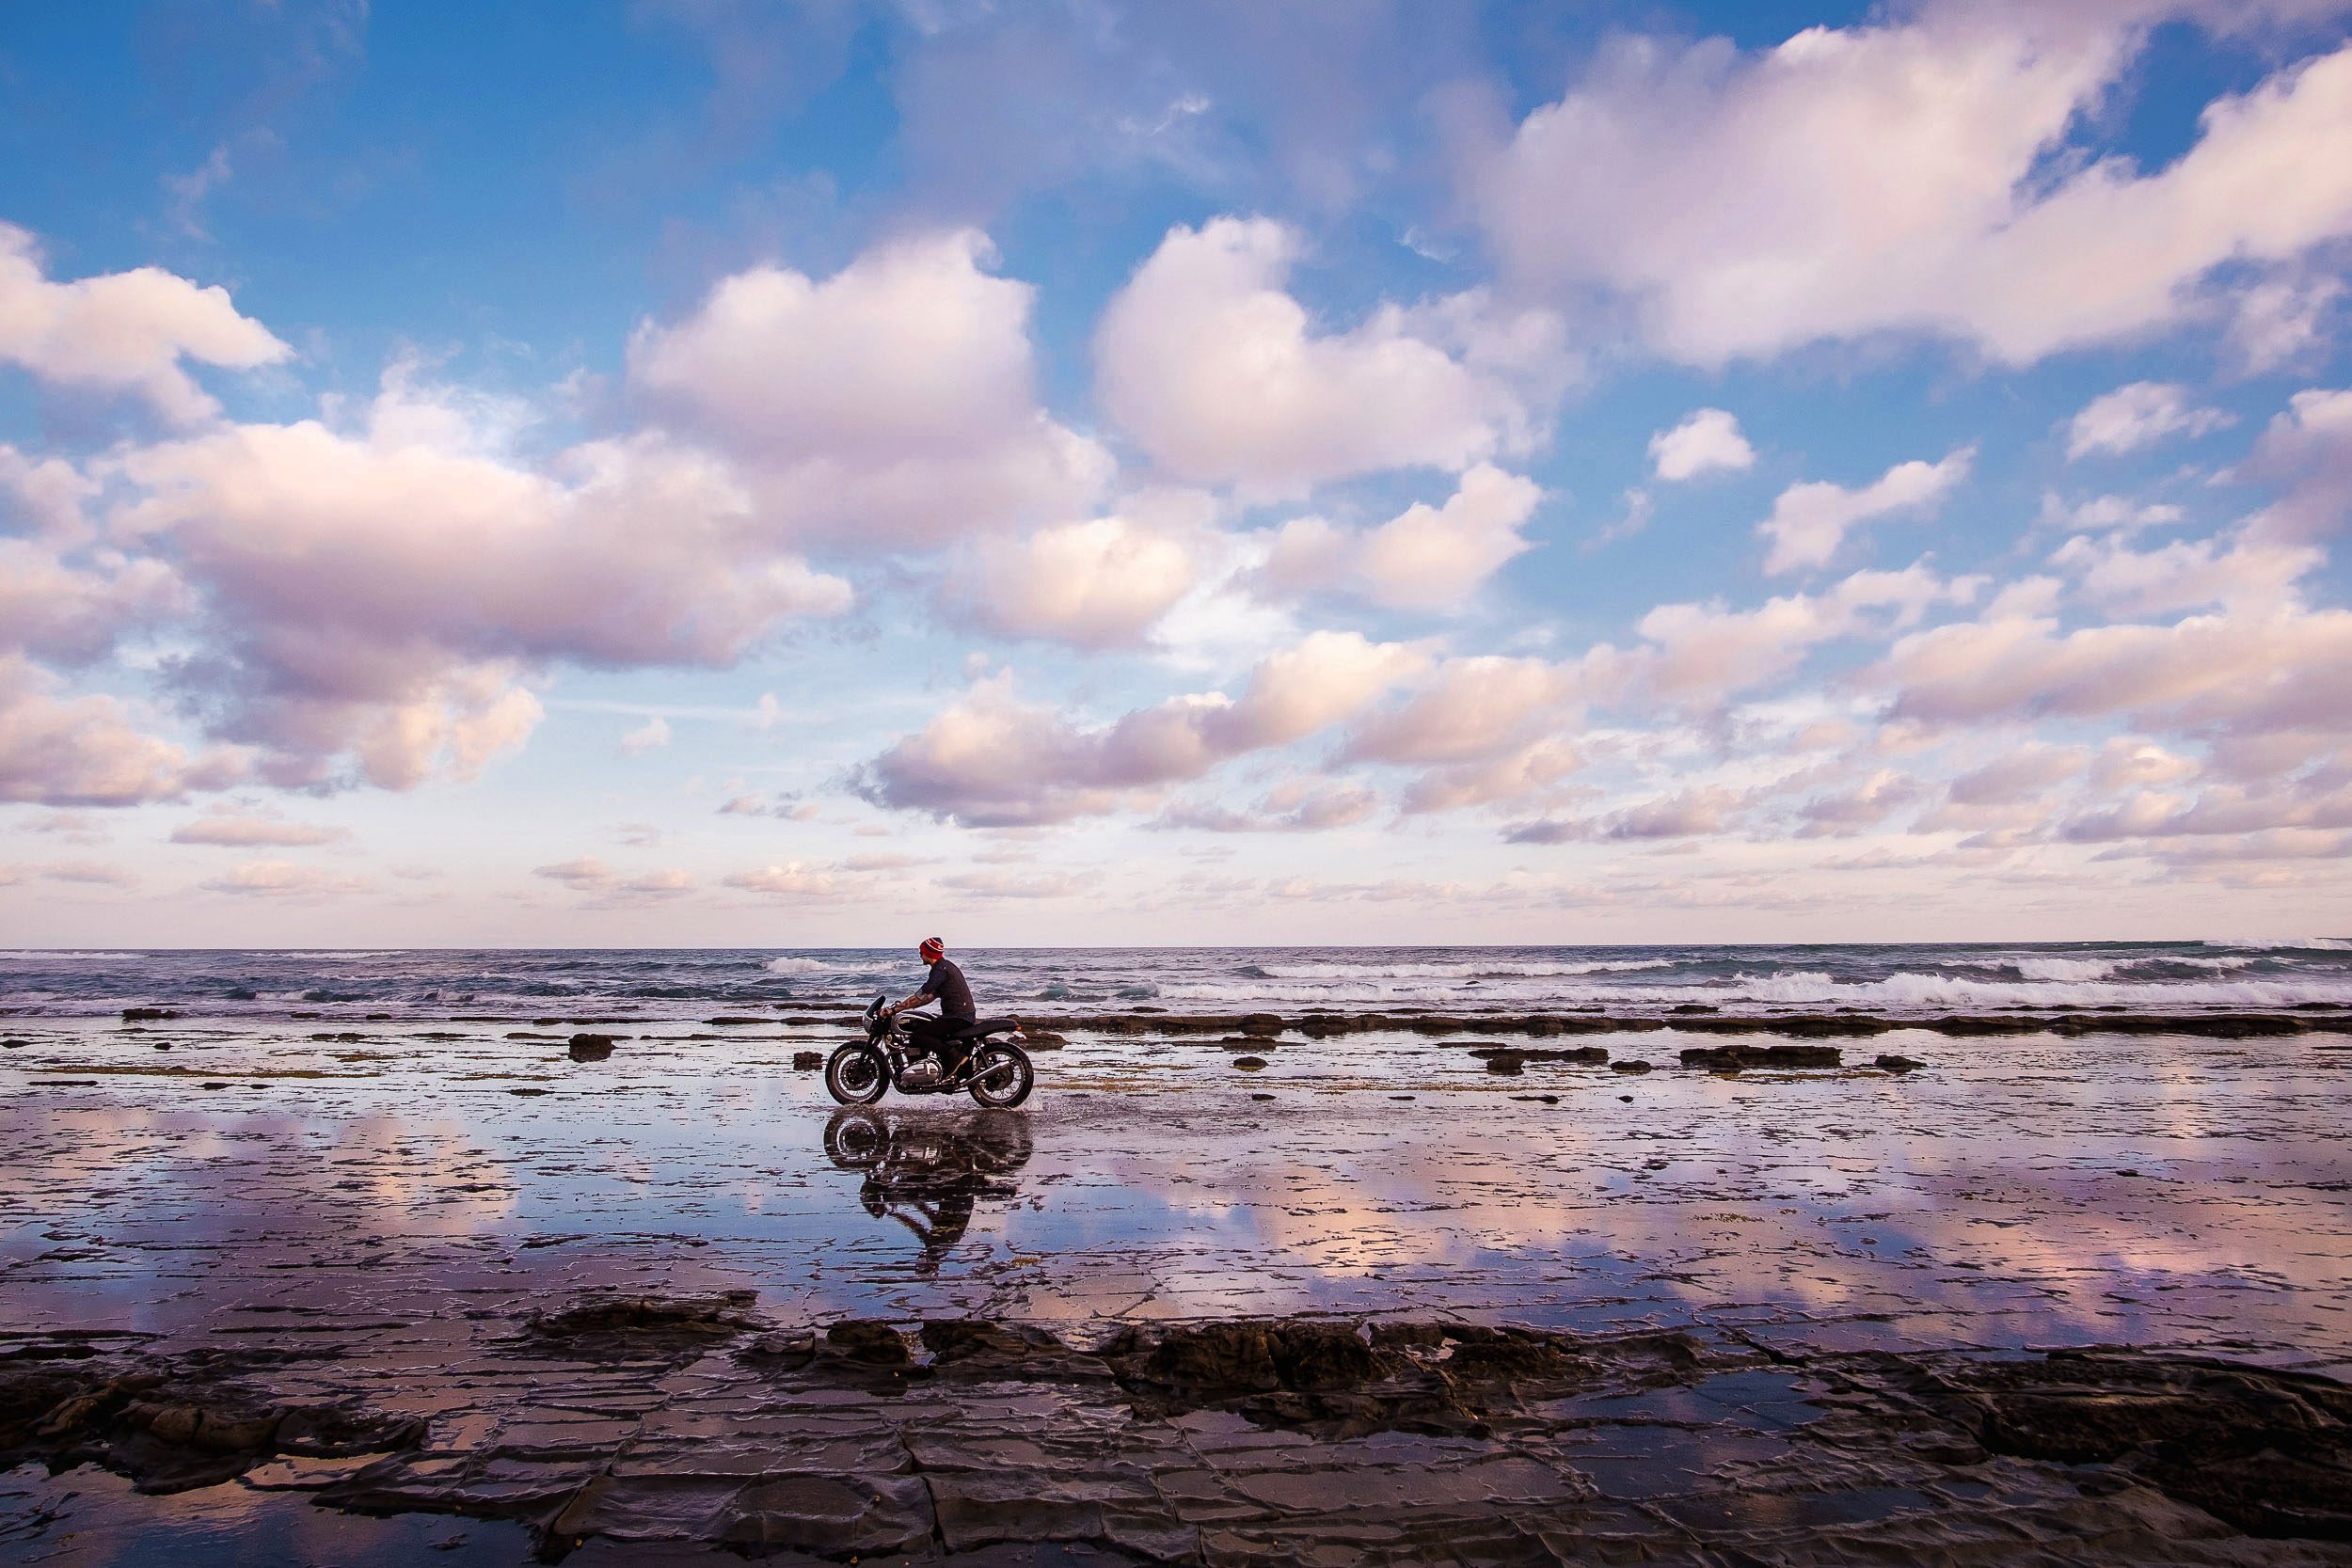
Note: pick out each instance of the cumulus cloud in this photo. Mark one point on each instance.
(603, 887)
(1708, 440)
(252, 832)
(89, 873)
(2307, 449)
(286, 880)
(654, 733)
(894, 401)
(1223, 378)
(2284, 320)
(1895, 175)
(48, 495)
(2282, 669)
(385, 593)
(89, 750)
(72, 611)
(2185, 574)
(1297, 805)
(990, 760)
(1100, 583)
(1686, 814)
(1810, 520)
(1426, 558)
(124, 333)
(1701, 654)
(2137, 416)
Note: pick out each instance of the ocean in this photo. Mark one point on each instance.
(665, 983)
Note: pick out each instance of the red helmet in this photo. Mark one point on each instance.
(932, 950)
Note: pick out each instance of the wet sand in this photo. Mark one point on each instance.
(1761, 1296)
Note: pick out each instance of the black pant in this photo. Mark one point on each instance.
(950, 1037)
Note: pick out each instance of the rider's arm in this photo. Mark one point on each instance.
(920, 999)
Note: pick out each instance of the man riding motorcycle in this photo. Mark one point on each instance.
(948, 1035)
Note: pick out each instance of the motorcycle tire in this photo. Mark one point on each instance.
(857, 1075)
(856, 1139)
(995, 1087)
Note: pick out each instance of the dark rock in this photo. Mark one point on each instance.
(147, 1015)
(1731, 1058)
(2223, 1026)
(1794, 1025)
(808, 1061)
(1588, 1055)
(1043, 1039)
(1688, 1008)
(868, 1341)
(640, 1327)
(1262, 1097)
(526, 1091)
(1635, 1066)
(1263, 1025)
(2268, 1451)
(591, 1048)
(1250, 1064)
(1898, 1063)
(732, 1023)
(1504, 1063)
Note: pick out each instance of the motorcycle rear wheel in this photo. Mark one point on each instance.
(1001, 1076)
(857, 1074)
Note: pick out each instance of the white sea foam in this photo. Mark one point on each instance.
(797, 966)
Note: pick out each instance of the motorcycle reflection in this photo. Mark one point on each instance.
(928, 1169)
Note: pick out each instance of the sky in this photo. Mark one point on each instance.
(690, 472)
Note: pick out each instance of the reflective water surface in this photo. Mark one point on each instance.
(388, 1200)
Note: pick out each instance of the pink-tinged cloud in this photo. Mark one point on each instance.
(1810, 521)
(991, 761)
(89, 750)
(1221, 376)
(894, 401)
(1428, 558)
(125, 333)
(383, 594)
(231, 831)
(288, 881)
(1886, 177)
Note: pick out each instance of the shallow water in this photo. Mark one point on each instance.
(387, 1206)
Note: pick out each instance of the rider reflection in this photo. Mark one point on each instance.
(929, 1170)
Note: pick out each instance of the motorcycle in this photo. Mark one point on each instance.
(997, 1073)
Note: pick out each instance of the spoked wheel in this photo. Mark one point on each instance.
(856, 1139)
(856, 1075)
(1001, 1076)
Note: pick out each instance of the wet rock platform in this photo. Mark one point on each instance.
(2040, 1298)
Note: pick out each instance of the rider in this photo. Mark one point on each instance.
(945, 984)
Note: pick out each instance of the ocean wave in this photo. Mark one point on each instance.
(1916, 990)
(797, 966)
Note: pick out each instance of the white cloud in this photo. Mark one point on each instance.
(1708, 440)
(605, 888)
(1810, 520)
(791, 879)
(2281, 321)
(123, 332)
(2309, 449)
(2185, 574)
(990, 760)
(300, 884)
(2137, 416)
(1427, 558)
(893, 403)
(1898, 177)
(88, 750)
(653, 733)
(1096, 584)
(383, 594)
(252, 832)
(1223, 379)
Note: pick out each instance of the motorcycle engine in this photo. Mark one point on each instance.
(919, 1075)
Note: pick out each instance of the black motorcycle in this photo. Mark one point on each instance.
(997, 1073)
(930, 1170)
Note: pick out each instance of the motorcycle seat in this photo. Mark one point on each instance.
(989, 1026)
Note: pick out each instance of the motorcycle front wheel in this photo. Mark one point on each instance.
(857, 1074)
(1002, 1076)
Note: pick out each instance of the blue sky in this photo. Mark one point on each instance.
(705, 472)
